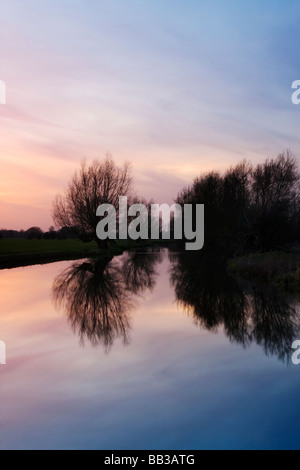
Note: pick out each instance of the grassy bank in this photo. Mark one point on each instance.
(30, 247)
(22, 252)
(279, 268)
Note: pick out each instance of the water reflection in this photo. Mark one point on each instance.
(248, 312)
(139, 270)
(99, 294)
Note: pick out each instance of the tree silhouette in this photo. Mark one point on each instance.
(99, 294)
(34, 232)
(275, 201)
(100, 183)
(249, 208)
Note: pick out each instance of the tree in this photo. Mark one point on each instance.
(275, 200)
(249, 208)
(100, 183)
(236, 193)
(225, 198)
(51, 234)
(34, 232)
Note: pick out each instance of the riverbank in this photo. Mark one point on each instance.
(21, 252)
(279, 268)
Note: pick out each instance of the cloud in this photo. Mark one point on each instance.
(173, 87)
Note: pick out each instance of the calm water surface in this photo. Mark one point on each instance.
(158, 351)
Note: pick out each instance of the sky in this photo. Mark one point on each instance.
(177, 87)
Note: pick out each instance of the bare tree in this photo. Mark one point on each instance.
(276, 182)
(275, 200)
(249, 208)
(101, 182)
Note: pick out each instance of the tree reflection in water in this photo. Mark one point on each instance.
(99, 294)
(247, 312)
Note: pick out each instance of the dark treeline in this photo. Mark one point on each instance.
(38, 234)
(249, 208)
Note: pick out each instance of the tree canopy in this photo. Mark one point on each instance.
(249, 207)
(99, 183)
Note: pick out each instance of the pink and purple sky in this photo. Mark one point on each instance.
(176, 87)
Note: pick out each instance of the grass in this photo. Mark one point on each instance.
(22, 252)
(22, 246)
(279, 268)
